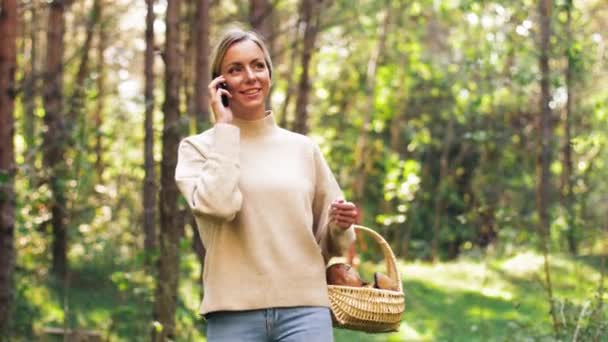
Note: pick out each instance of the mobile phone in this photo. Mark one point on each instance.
(225, 102)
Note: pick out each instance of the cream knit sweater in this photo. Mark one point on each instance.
(261, 198)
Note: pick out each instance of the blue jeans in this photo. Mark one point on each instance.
(294, 324)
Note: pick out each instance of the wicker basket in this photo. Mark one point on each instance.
(368, 309)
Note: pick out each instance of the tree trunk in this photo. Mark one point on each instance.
(170, 232)
(290, 74)
(189, 26)
(444, 172)
(567, 196)
(8, 68)
(150, 191)
(198, 248)
(56, 135)
(601, 287)
(76, 122)
(544, 158)
(261, 20)
(370, 85)
(201, 101)
(30, 89)
(398, 147)
(202, 69)
(310, 18)
(101, 95)
(77, 98)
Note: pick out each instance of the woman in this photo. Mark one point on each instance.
(268, 208)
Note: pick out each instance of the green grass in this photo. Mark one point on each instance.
(477, 300)
(472, 299)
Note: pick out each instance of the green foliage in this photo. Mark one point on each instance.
(457, 78)
(400, 187)
(25, 312)
(582, 322)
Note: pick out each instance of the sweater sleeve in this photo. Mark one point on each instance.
(208, 176)
(334, 241)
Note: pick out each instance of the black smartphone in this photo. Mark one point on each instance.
(223, 85)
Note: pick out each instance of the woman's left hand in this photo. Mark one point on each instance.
(342, 213)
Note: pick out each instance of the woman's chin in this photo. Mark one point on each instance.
(252, 105)
(248, 109)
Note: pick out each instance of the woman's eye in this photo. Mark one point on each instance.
(260, 65)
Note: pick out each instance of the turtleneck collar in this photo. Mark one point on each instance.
(257, 126)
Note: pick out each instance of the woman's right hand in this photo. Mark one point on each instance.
(220, 113)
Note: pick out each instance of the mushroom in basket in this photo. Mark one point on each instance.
(344, 275)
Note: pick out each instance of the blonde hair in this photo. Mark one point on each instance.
(230, 37)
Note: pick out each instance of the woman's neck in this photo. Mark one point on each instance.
(250, 114)
(256, 127)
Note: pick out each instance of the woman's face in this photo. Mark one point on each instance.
(247, 77)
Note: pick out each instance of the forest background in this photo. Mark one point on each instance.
(472, 135)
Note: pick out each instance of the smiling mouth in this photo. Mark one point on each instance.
(251, 91)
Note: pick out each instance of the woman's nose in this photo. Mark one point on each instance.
(249, 73)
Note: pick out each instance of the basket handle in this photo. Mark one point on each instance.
(389, 257)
